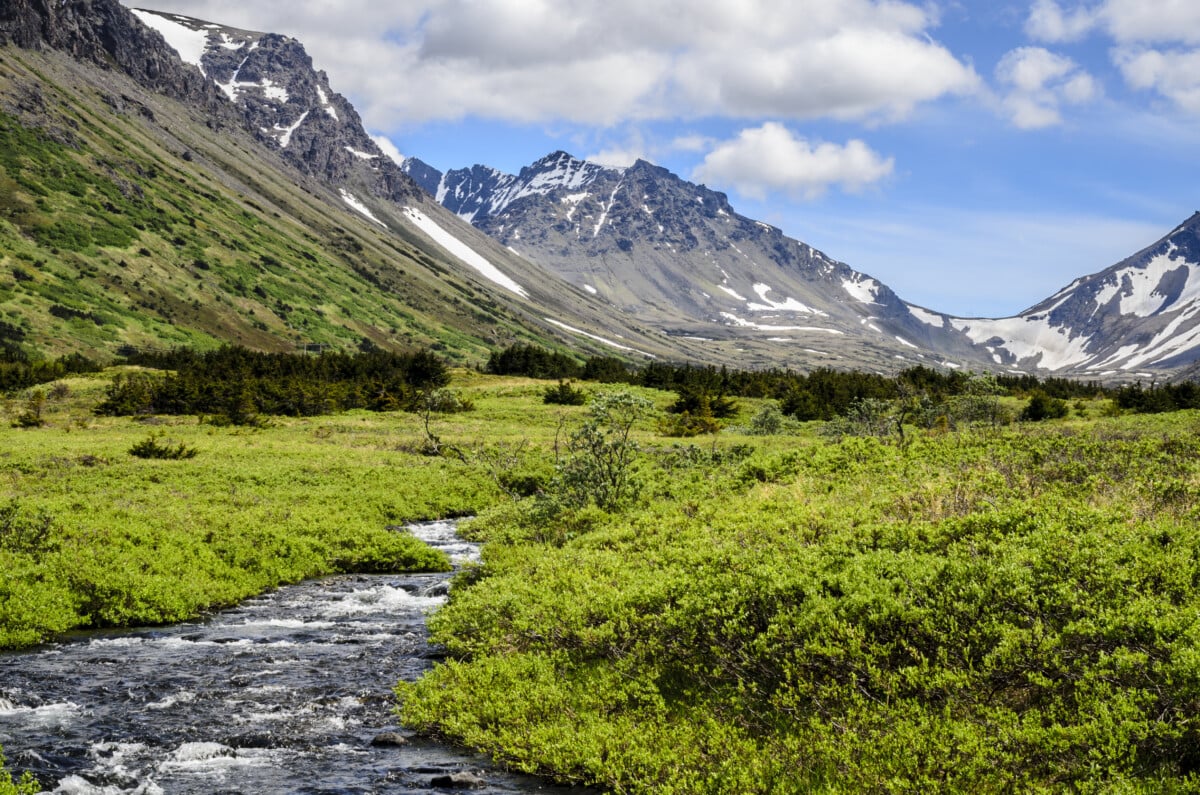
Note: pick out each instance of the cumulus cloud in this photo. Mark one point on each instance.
(618, 156)
(770, 158)
(1175, 74)
(599, 63)
(1125, 21)
(1155, 41)
(1152, 20)
(1038, 83)
(1048, 22)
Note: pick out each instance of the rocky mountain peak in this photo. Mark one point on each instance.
(285, 101)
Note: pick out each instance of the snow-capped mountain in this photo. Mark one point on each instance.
(1140, 315)
(286, 102)
(677, 256)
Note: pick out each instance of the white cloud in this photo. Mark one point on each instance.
(581, 61)
(616, 156)
(1152, 20)
(1039, 82)
(770, 158)
(1048, 22)
(1175, 74)
(1145, 21)
(388, 148)
(1136, 26)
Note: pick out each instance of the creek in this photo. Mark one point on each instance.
(289, 692)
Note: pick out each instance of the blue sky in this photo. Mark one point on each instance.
(975, 156)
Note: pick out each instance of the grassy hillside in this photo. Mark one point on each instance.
(126, 221)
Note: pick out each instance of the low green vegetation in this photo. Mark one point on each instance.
(238, 385)
(922, 594)
(841, 609)
(120, 521)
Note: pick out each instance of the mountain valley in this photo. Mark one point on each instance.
(174, 181)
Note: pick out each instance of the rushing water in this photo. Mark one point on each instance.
(283, 694)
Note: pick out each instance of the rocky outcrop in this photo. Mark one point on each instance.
(289, 106)
(106, 34)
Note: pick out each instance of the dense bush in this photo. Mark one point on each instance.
(1043, 407)
(17, 372)
(1159, 398)
(994, 611)
(533, 362)
(155, 446)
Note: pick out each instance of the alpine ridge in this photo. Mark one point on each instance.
(1138, 317)
(677, 256)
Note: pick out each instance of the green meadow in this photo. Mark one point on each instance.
(776, 607)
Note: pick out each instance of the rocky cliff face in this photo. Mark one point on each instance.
(104, 33)
(286, 103)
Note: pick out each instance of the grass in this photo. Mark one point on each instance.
(149, 540)
(993, 610)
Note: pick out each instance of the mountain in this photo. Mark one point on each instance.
(676, 256)
(168, 181)
(1138, 317)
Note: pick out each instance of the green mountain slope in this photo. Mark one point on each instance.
(127, 218)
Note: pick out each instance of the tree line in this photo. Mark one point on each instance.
(822, 394)
(239, 384)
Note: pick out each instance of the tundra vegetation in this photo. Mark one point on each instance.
(920, 592)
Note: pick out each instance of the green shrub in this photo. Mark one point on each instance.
(155, 446)
(26, 785)
(563, 394)
(600, 462)
(1043, 407)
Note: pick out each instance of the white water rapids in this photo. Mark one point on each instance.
(282, 694)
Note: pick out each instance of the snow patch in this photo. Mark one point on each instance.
(286, 138)
(732, 292)
(360, 155)
(271, 90)
(325, 104)
(464, 253)
(903, 341)
(1169, 341)
(929, 318)
(188, 42)
(786, 305)
(740, 323)
(612, 199)
(360, 208)
(573, 199)
(595, 337)
(1026, 338)
(865, 290)
(591, 289)
(1138, 287)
